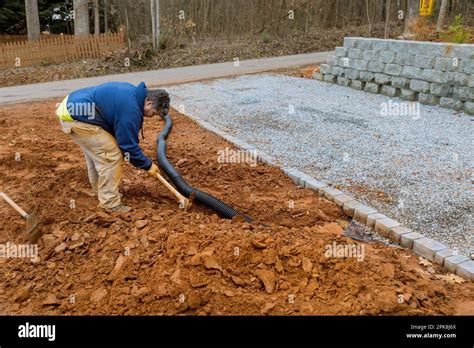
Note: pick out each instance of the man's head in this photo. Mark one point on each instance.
(156, 101)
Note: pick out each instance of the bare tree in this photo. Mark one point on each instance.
(387, 18)
(81, 17)
(155, 22)
(32, 20)
(442, 16)
(368, 16)
(411, 15)
(218, 19)
(96, 18)
(106, 16)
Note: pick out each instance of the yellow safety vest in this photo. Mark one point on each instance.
(62, 111)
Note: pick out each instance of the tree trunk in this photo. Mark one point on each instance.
(387, 18)
(368, 16)
(155, 22)
(106, 16)
(81, 17)
(410, 16)
(96, 18)
(32, 20)
(442, 16)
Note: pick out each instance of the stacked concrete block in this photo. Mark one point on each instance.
(329, 193)
(372, 219)
(427, 247)
(396, 233)
(385, 226)
(452, 263)
(407, 239)
(339, 200)
(466, 269)
(362, 212)
(431, 73)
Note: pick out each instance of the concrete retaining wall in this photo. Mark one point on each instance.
(428, 72)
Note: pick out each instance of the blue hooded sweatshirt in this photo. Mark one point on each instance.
(117, 107)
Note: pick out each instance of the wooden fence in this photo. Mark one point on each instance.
(58, 49)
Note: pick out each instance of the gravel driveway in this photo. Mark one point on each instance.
(414, 166)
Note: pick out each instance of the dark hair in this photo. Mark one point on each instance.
(160, 98)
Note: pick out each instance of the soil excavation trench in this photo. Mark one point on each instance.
(160, 260)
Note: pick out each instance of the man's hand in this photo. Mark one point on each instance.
(154, 170)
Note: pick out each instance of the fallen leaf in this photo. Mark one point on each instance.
(451, 278)
(424, 262)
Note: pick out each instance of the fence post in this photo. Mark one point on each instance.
(2, 57)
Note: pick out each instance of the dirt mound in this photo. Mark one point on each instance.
(160, 260)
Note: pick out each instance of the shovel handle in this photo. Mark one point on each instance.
(14, 205)
(169, 187)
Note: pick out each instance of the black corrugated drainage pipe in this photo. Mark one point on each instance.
(182, 186)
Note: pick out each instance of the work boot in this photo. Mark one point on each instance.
(121, 208)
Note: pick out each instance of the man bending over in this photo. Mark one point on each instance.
(105, 121)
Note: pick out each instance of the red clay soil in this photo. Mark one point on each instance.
(159, 260)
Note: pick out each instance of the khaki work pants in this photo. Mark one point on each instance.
(104, 161)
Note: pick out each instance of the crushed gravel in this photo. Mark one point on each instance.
(415, 167)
